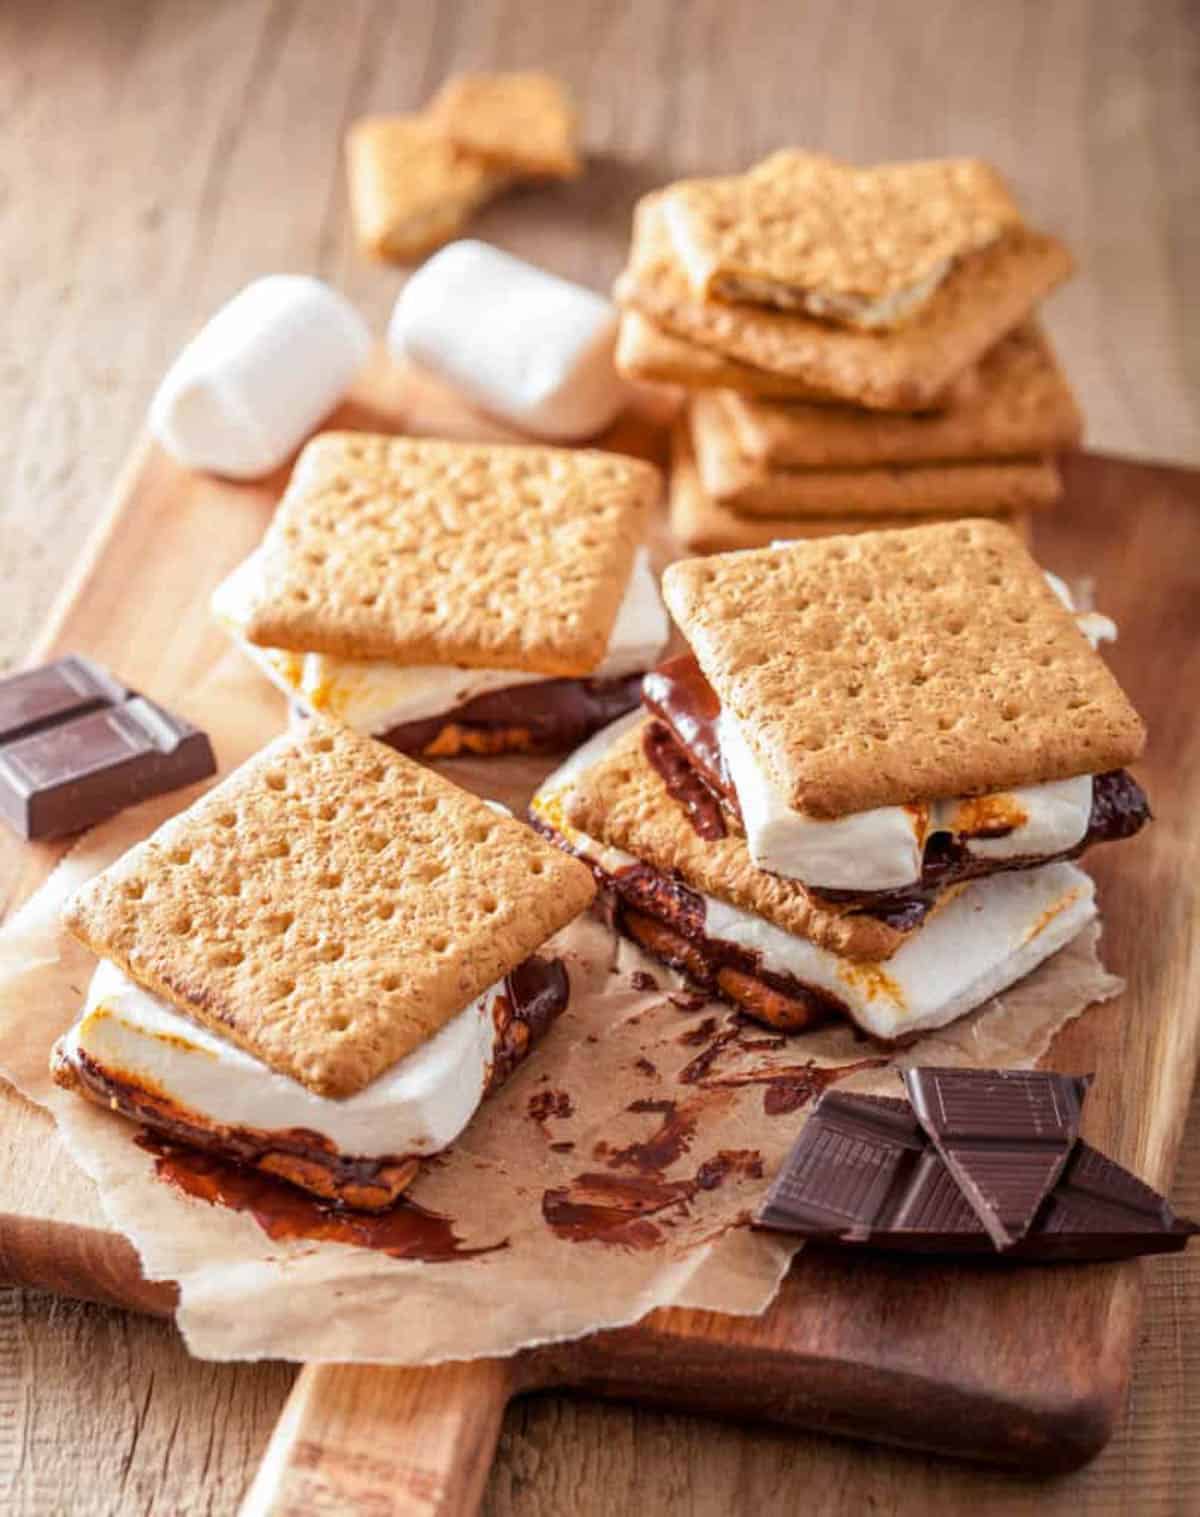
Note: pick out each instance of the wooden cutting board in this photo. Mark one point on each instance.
(1021, 1367)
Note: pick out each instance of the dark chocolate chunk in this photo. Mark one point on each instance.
(54, 693)
(1004, 1134)
(77, 746)
(864, 1173)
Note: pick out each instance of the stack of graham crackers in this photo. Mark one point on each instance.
(860, 347)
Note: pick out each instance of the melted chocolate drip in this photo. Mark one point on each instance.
(556, 713)
(683, 700)
(535, 994)
(406, 1231)
(684, 782)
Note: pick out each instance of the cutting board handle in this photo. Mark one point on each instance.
(356, 1438)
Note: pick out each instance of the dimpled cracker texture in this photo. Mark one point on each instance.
(622, 802)
(410, 189)
(945, 489)
(524, 123)
(424, 552)
(906, 370)
(700, 524)
(866, 246)
(329, 906)
(1021, 406)
(894, 667)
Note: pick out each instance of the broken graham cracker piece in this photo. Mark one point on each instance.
(1021, 406)
(621, 801)
(329, 906)
(428, 552)
(906, 370)
(700, 524)
(894, 667)
(410, 189)
(752, 488)
(648, 354)
(521, 123)
(863, 246)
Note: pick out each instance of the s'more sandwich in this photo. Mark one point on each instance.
(321, 967)
(455, 597)
(860, 791)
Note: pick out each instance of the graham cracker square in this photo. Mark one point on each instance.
(700, 524)
(862, 246)
(893, 667)
(410, 189)
(1020, 406)
(523, 123)
(329, 906)
(649, 354)
(622, 802)
(954, 488)
(427, 552)
(980, 300)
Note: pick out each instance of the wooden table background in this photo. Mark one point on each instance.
(156, 154)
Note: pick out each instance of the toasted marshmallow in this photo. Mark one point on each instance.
(991, 933)
(374, 696)
(522, 344)
(417, 1107)
(867, 850)
(268, 367)
(1043, 819)
(882, 849)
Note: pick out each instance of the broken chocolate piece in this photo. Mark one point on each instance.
(863, 1173)
(77, 746)
(1004, 1134)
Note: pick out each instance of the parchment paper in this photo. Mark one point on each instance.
(676, 1116)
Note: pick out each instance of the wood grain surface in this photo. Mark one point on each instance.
(155, 156)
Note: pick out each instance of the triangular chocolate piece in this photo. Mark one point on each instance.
(1004, 1134)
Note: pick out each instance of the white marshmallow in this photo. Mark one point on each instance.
(374, 696)
(418, 1106)
(269, 366)
(522, 344)
(1055, 818)
(993, 933)
(866, 850)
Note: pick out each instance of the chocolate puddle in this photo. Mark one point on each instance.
(620, 1210)
(664, 1147)
(406, 1231)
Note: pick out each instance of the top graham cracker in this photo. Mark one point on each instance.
(521, 122)
(863, 246)
(894, 667)
(329, 906)
(428, 552)
(909, 369)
